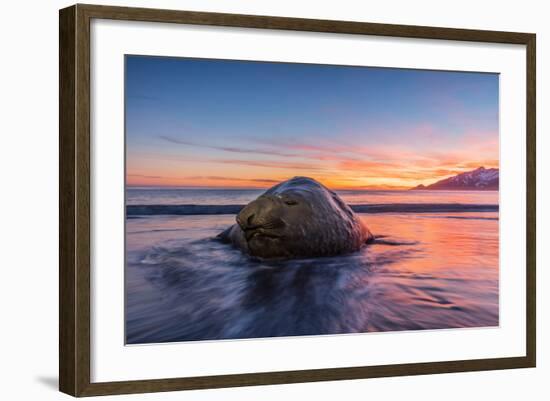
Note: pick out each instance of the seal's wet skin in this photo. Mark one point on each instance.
(295, 219)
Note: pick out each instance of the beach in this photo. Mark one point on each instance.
(183, 285)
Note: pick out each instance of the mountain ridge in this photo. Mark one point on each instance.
(480, 179)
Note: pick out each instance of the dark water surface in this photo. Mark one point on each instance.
(182, 285)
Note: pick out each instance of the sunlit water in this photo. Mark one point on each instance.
(181, 284)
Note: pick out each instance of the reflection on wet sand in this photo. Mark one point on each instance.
(182, 285)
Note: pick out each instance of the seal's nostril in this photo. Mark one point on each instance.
(249, 219)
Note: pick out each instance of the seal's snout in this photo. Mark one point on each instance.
(261, 218)
(255, 214)
(245, 218)
(245, 221)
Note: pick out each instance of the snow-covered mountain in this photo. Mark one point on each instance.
(479, 179)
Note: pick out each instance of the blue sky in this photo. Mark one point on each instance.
(201, 122)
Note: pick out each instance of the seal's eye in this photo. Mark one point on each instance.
(290, 202)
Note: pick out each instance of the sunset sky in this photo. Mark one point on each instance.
(214, 123)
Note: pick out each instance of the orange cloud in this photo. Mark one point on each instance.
(339, 165)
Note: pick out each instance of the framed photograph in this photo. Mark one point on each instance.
(250, 200)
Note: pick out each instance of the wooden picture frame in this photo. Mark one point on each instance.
(74, 199)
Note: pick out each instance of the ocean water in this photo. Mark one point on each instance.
(199, 196)
(183, 285)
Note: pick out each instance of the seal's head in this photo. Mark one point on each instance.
(300, 218)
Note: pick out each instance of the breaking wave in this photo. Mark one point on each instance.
(194, 210)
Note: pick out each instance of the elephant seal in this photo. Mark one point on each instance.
(297, 218)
